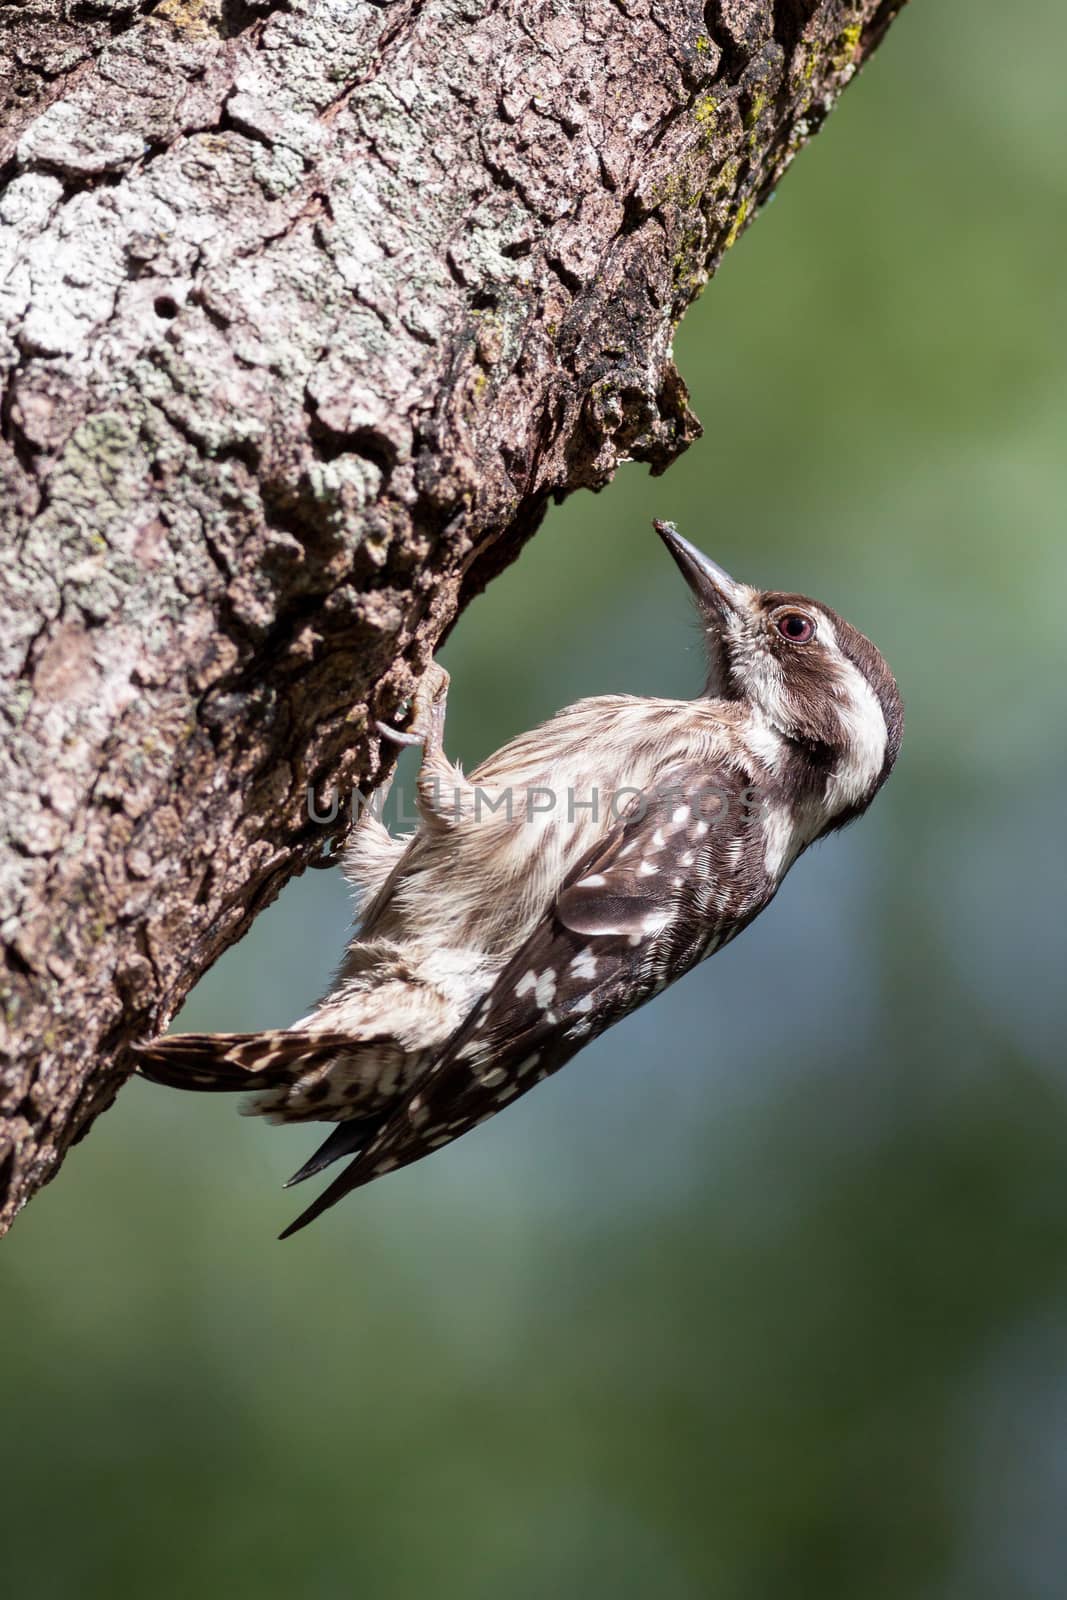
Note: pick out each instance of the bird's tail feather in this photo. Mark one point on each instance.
(226, 1062)
(345, 1140)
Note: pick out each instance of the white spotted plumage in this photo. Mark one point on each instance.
(506, 931)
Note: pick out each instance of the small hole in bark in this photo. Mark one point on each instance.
(239, 15)
(734, 55)
(165, 306)
(483, 301)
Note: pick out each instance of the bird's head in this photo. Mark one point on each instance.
(812, 677)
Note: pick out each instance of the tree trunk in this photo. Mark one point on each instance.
(306, 311)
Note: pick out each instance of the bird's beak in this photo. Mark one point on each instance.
(715, 592)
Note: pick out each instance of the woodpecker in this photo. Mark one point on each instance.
(568, 879)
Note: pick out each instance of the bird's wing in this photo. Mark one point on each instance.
(671, 881)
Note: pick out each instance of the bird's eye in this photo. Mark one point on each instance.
(795, 626)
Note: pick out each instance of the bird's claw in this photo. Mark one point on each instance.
(397, 736)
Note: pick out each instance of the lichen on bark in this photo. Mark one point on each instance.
(307, 311)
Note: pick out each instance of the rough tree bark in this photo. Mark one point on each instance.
(307, 309)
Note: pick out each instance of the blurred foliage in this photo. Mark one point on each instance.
(767, 1295)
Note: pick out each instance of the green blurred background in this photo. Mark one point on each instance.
(766, 1295)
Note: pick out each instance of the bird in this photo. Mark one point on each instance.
(565, 881)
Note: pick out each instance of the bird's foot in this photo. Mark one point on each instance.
(427, 713)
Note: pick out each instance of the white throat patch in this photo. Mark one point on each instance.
(867, 736)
